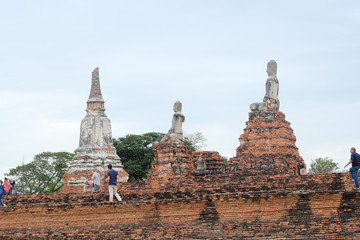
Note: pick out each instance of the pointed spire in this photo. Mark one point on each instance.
(95, 101)
(95, 91)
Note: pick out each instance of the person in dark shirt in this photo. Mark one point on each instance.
(112, 179)
(12, 187)
(355, 163)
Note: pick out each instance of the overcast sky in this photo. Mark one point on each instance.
(211, 55)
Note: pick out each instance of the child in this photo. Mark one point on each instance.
(88, 184)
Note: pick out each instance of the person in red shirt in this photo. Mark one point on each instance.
(6, 186)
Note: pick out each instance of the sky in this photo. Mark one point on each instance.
(211, 55)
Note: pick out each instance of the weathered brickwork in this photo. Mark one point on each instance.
(172, 161)
(267, 146)
(211, 207)
(214, 162)
(260, 194)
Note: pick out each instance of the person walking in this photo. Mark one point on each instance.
(355, 165)
(112, 180)
(96, 180)
(1, 193)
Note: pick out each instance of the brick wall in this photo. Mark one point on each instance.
(211, 207)
(260, 194)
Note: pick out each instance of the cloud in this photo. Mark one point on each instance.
(203, 53)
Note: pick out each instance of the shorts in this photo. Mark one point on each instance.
(96, 187)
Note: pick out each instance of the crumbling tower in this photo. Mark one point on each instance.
(96, 149)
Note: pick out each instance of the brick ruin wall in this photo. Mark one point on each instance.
(260, 194)
(226, 206)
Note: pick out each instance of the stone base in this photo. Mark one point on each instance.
(82, 166)
(267, 146)
(172, 160)
(74, 182)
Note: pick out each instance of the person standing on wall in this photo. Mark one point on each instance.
(112, 179)
(12, 187)
(96, 180)
(6, 186)
(355, 163)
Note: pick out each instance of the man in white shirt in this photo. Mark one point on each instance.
(96, 180)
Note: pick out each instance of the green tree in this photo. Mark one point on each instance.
(225, 160)
(189, 144)
(43, 174)
(323, 165)
(136, 153)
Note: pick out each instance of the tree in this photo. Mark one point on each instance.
(323, 165)
(136, 153)
(189, 144)
(225, 160)
(196, 141)
(43, 174)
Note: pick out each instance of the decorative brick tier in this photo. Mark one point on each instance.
(267, 146)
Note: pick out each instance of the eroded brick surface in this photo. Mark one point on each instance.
(210, 207)
(267, 146)
(259, 195)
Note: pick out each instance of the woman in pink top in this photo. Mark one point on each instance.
(6, 186)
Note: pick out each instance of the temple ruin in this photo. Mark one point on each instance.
(262, 193)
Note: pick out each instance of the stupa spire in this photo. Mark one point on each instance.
(95, 91)
(95, 101)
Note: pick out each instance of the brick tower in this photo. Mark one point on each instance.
(96, 149)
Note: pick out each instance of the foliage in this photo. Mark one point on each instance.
(196, 141)
(136, 153)
(189, 144)
(225, 159)
(43, 174)
(323, 165)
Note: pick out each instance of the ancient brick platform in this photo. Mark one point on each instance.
(172, 161)
(260, 194)
(227, 206)
(267, 146)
